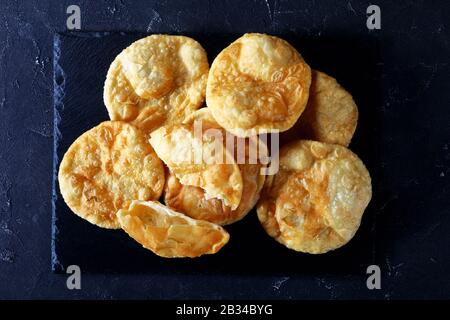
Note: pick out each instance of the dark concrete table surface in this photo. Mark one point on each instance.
(410, 212)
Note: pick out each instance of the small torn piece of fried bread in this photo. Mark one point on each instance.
(157, 80)
(168, 233)
(315, 202)
(258, 84)
(105, 169)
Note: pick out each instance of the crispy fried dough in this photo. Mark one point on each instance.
(259, 82)
(331, 114)
(200, 160)
(169, 233)
(157, 80)
(315, 202)
(193, 201)
(106, 168)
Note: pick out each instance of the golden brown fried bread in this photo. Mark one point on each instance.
(259, 82)
(106, 168)
(193, 201)
(156, 80)
(200, 159)
(169, 233)
(330, 116)
(315, 202)
(204, 115)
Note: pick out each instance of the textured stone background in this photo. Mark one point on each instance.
(412, 218)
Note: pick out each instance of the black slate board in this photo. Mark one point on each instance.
(81, 61)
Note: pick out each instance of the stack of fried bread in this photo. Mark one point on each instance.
(172, 172)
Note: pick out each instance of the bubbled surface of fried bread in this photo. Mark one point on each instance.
(169, 233)
(259, 82)
(331, 114)
(156, 80)
(315, 202)
(196, 160)
(105, 169)
(193, 201)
